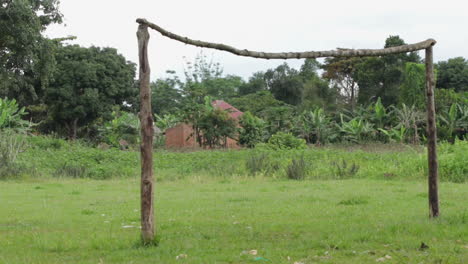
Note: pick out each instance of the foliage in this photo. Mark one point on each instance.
(297, 169)
(123, 126)
(284, 141)
(343, 170)
(382, 76)
(341, 73)
(256, 103)
(355, 130)
(315, 127)
(395, 134)
(26, 56)
(260, 163)
(452, 160)
(11, 145)
(412, 91)
(166, 95)
(11, 115)
(453, 74)
(205, 78)
(88, 83)
(164, 122)
(454, 121)
(410, 119)
(251, 130)
(444, 98)
(212, 126)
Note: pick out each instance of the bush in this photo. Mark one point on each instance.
(343, 171)
(297, 169)
(260, 163)
(11, 115)
(251, 131)
(286, 141)
(46, 143)
(11, 144)
(452, 162)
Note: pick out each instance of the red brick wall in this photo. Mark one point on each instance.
(176, 137)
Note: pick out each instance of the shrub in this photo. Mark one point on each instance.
(452, 159)
(286, 141)
(257, 164)
(251, 131)
(11, 144)
(11, 115)
(297, 169)
(343, 170)
(73, 171)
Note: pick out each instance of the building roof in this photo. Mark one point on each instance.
(233, 112)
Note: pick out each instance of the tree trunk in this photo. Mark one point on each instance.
(431, 137)
(147, 133)
(352, 95)
(72, 128)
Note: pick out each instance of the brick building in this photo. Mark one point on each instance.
(181, 135)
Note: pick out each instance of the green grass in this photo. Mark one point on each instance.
(358, 204)
(218, 220)
(48, 158)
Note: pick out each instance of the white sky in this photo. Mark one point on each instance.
(266, 25)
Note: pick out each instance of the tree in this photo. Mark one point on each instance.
(87, 83)
(453, 74)
(166, 95)
(382, 76)
(341, 73)
(251, 130)
(412, 90)
(205, 78)
(211, 125)
(26, 56)
(255, 84)
(255, 102)
(285, 84)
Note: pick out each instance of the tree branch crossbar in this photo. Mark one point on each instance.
(291, 55)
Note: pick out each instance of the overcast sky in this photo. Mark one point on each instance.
(266, 25)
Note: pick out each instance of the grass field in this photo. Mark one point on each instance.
(207, 220)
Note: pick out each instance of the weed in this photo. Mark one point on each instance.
(355, 201)
(343, 170)
(297, 170)
(73, 171)
(257, 164)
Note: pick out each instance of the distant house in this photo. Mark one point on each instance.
(182, 135)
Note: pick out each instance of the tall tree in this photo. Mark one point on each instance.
(453, 74)
(255, 84)
(26, 56)
(382, 76)
(341, 74)
(87, 83)
(205, 78)
(285, 84)
(166, 95)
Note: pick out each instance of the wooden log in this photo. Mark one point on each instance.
(291, 55)
(147, 132)
(433, 177)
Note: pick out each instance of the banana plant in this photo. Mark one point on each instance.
(315, 125)
(395, 134)
(411, 118)
(11, 115)
(356, 129)
(456, 118)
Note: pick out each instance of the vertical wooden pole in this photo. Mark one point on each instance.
(433, 180)
(147, 132)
